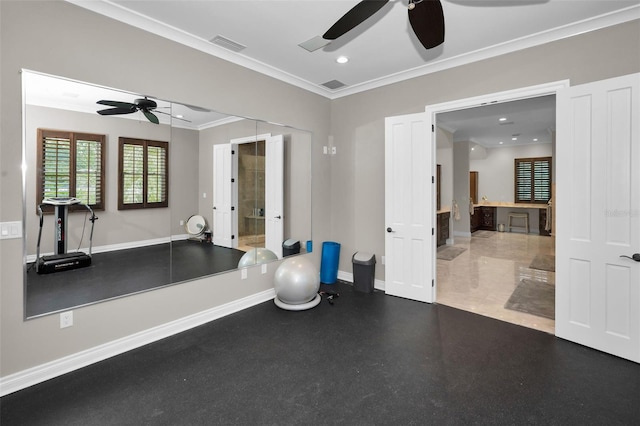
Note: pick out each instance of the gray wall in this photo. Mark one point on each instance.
(88, 47)
(358, 120)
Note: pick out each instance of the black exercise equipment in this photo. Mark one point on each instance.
(60, 260)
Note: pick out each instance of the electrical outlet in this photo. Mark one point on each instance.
(66, 319)
(264, 268)
(243, 273)
(204, 195)
(325, 150)
(334, 150)
(182, 223)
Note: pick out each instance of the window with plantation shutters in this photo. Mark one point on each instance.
(70, 164)
(532, 180)
(143, 174)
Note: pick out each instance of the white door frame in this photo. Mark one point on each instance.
(510, 95)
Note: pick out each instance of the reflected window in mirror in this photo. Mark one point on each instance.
(70, 164)
(143, 174)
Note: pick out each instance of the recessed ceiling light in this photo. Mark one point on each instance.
(342, 60)
(514, 139)
(501, 142)
(502, 119)
(179, 116)
(473, 149)
(535, 139)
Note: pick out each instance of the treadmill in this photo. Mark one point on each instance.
(60, 260)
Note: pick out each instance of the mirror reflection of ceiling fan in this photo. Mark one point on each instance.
(144, 105)
(425, 16)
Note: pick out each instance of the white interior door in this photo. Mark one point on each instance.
(598, 215)
(274, 194)
(409, 207)
(223, 196)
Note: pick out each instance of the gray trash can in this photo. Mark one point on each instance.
(364, 271)
(290, 247)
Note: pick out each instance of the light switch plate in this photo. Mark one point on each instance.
(10, 230)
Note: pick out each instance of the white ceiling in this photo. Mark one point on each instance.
(521, 122)
(381, 50)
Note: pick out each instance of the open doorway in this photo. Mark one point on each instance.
(251, 195)
(495, 169)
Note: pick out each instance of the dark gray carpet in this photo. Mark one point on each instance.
(544, 262)
(369, 359)
(117, 273)
(449, 252)
(533, 297)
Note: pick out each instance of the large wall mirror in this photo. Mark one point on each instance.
(179, 192)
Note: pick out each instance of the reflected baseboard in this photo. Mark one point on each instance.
(120, 246)
(32, 376)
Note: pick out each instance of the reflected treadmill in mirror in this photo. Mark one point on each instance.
(141, 249)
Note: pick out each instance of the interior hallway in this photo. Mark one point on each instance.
(484, 276)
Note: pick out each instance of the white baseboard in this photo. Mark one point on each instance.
(32, 376)
(348, 277)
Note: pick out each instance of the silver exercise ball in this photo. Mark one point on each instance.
(297, 282)
(255, 256)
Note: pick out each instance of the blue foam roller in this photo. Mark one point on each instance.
(329, 262)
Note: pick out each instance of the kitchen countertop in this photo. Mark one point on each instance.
(510, 205)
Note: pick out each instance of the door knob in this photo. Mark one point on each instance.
(390, 230)
(635, 256)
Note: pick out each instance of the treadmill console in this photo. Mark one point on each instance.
(61, 201)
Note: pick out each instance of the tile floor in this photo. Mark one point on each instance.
(483, 277)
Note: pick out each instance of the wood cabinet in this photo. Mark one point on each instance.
(442, 228)
(483, 218)
(473, 187)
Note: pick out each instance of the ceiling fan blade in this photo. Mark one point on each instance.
(123, 105)
(115, 111)
(152, 118)
(357, 15)
(427, 21)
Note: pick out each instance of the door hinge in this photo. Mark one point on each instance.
(232, 152)
(433, 232)
(433, 179)
(232, 180)
(233, 208)
(433, 283)
(433, 128)
(233, 237)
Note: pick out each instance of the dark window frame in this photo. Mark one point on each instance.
(144, 204)
(531, 183)
(73, 138)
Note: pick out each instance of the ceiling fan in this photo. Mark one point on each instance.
(143, 104)
(425, 16)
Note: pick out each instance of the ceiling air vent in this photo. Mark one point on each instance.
(333, 84)
(227, 44)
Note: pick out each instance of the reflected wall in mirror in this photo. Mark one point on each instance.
(138, 244)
